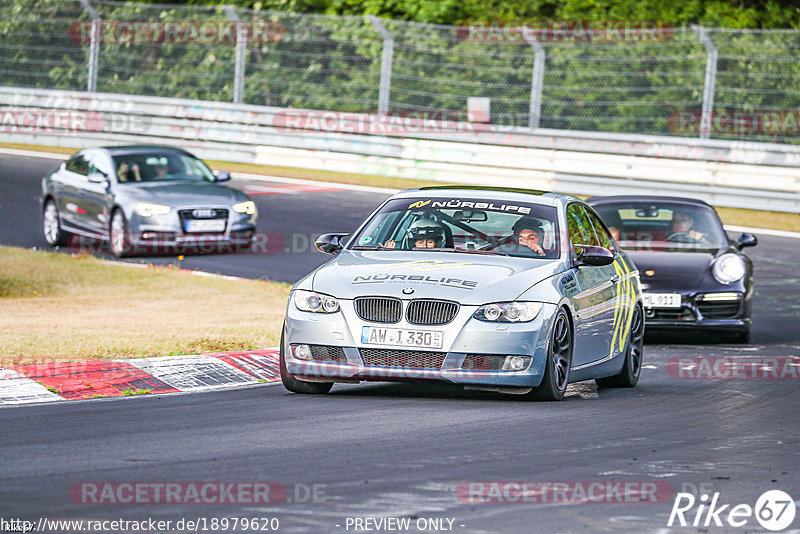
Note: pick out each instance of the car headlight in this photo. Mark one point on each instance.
(728, 268)
(248, 207)
(508, 312)
(310, 301)
(147, 210)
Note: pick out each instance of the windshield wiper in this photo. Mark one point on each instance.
(472, 251)
(371, 247)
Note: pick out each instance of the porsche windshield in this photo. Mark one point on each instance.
(663, 225)
(463, 225)
(160, 167)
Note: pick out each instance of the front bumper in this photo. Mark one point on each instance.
(699, 312)
(465, 339)
(169, 232)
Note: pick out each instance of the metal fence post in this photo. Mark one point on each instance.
(241, 51)
(386, 64)
(537, 79)
(94, 47)
(710, 81)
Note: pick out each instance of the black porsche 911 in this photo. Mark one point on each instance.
(693, 276)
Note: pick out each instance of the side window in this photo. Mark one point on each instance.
(580, 229)
(602, 234)
(78, 165)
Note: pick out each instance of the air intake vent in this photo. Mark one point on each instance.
(329, 354)
(406, 359)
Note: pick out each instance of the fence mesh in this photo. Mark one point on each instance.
(651, 86)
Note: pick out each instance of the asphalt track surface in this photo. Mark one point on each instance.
(401, 450)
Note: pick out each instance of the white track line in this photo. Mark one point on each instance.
(32, 153)
(765, 231)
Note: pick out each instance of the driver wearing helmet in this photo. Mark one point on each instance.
(529, 232)
(423, 233)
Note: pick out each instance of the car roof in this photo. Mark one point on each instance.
(491, 193)
(127, 150)
(620, 199)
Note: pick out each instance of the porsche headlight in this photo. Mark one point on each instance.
(248, 207)
(148, 210)
(508, 312)
(310, 301)
(728, 268)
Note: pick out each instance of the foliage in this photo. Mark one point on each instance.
(332, 61)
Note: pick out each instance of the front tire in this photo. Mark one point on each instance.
(119, 238)
(51, 225)
(299, 386)
(634, 351)
(559, 358)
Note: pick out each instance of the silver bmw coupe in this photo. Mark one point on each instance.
(509, 290)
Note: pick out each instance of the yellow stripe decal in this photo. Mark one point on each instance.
(629, 304)
(617, 311)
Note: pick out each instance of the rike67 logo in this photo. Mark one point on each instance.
(774, 510)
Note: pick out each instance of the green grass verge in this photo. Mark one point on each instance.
(57, 307)
(775, 220)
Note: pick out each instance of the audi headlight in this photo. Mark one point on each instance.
(248, 207)
(310, 301)
(147, 210)
(728, 268)
(508, 312)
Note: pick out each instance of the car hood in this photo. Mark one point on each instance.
(466, 278)
(184, 193)
(684, 270)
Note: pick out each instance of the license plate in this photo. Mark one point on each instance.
(210, 225)
(401, 337)
(661, 300)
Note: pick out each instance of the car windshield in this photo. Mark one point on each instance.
(463, 225)
(160, 167)
(663, 225)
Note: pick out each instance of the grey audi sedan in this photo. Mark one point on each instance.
(145, 199)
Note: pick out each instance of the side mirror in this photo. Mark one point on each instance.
(595, 256)
(223, 176)
(746, 240)
(331, 243)
(97, 178)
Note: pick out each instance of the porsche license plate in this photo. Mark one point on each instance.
(661, 300)
(401, 337)
(208, 225)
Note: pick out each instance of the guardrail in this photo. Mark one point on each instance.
(726, 173)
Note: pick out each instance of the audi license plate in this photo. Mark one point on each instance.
(207, 225)
(661, 300)
(401, 337)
